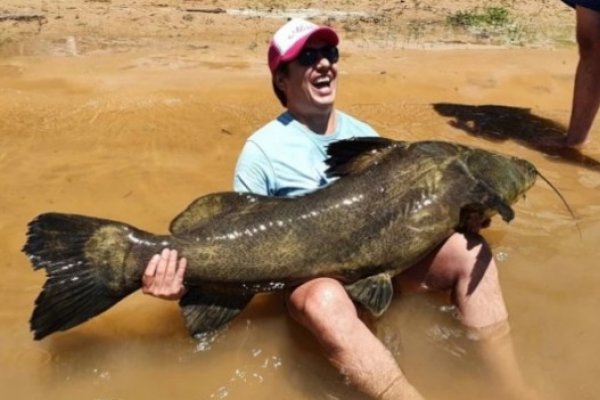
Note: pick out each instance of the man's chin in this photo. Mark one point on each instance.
(325, 96)
(324, 101)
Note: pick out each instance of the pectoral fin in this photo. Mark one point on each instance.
(205, 312)
(492, 200)
(374, 293)
(485, 202)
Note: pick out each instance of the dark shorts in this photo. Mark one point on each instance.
(591, 4)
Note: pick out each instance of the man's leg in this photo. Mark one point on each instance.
(465, 266)
(586, 93)
(323, 307)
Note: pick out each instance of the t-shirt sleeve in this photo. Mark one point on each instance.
(253, 172)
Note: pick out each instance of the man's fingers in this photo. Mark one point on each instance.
(151, 268)
(162, 265)
(181, 269)
(171, 267)
(180, 275)
(148, 277)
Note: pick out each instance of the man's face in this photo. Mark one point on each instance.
(311, 88)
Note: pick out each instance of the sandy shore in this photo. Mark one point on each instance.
(95, 25)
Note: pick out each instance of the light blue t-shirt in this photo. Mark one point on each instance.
(285, 158)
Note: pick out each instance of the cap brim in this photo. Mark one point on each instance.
(324, 33)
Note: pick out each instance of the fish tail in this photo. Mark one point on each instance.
(81, 282)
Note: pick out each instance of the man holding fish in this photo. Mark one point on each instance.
(286, 158)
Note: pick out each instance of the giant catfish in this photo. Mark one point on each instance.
(394, 202)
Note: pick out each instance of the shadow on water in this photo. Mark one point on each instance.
(500, 123)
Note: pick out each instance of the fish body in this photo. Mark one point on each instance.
(394, 202)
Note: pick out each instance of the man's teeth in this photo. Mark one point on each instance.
(322, 81)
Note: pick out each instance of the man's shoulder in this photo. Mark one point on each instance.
(266, 132)
(355, 126)
(273, 132)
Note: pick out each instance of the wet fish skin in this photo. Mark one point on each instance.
(395, 202)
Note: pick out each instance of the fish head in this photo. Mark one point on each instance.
(510, 177)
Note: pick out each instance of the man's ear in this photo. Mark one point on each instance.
(279, 80)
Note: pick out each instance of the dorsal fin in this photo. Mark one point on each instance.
(351, 156)
(205, 208)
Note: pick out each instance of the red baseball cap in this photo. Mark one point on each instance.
(289, 40)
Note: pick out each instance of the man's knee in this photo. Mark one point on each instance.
(468, 255)
(315, 303)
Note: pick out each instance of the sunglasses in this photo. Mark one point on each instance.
(308, 57)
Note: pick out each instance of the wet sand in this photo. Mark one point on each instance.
(137, 135)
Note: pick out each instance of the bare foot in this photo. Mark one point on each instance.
(575, 144)
(561, 142)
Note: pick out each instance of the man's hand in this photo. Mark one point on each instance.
(163, 277)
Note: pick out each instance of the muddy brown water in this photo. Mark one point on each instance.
(136, 136)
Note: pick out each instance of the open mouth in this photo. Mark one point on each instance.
(322, 82)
